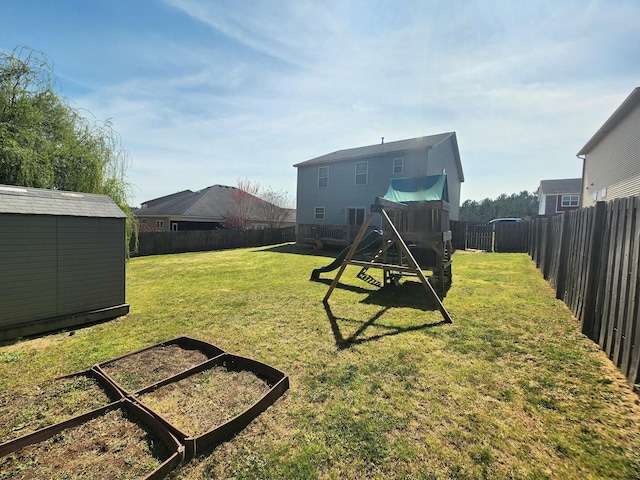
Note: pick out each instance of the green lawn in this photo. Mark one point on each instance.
(380, 388)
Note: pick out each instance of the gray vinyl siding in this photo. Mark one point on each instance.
(442, 157)
(54, 266)
(614, 163)
(343, 193)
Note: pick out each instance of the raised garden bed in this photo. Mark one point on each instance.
(29, 408)
(137, 370)
(213, 401)
(120, 441)
(136, 416)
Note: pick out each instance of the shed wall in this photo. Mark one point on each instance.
(56, 266)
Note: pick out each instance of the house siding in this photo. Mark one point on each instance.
(614, 164)
(444, 160)
(342, 192)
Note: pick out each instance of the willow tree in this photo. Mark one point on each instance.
(46, 143)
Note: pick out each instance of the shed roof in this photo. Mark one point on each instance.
(565, 185)
(37, 201)
(418, 189)
(629, 105)
(385, 148)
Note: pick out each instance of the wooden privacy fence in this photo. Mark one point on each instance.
(590, 256)
(160, 243)
(502, 237)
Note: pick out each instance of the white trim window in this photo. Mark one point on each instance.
(318, 213)
(398, 165)
(362, 173)
(323, 177)
(160, 224)
(570, 200)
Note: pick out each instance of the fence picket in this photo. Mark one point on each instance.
(630, 347)
(160, 243)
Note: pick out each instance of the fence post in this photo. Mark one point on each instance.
(591, 290)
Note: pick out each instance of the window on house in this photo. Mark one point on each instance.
(355, 216)
(143, 221)
(174, 227)
(398, 165)
(362, 172)
(159, 223)
(323, 177)
(319, 213)
(570, 200)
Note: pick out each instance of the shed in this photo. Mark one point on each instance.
(62, 258)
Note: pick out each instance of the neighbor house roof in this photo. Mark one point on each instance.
(418, 189)
(630, 103)
(212, 202)
(388, 147)
(37, 201)
(566, 185)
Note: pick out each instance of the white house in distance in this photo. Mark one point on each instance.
(561, 195)
(335, 191)
(611, 158)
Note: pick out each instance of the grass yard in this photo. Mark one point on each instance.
(380, 388)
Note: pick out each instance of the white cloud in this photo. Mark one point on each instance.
(250, 88)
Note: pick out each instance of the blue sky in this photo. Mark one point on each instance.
(208, 92)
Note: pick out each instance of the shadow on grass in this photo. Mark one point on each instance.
(342, 286)
(358, 336)
(294, 248)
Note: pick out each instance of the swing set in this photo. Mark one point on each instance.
(416, 236)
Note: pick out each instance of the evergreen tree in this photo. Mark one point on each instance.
(523, 205)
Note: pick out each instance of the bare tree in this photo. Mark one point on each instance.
(249, 204)
(244, 205)
(275, 206)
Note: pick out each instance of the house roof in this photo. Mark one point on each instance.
(418, 189)
(630, 104)
(564, 186)
(210, 202)
(37, 201)
(156, 201)
(385, 148)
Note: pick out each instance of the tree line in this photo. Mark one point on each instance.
(522, 205)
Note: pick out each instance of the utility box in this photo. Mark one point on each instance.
(62, 258)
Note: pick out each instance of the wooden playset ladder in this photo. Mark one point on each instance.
(412, 265)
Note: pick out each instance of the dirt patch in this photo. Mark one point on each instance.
(27, 409)
(150, 366)
(109, 447)
(207, 399)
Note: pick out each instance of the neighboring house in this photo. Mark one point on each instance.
(335, 191)
(62, 258)
(555, 196)
(611, 158)
(202, 210)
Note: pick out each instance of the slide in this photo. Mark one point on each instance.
(368, 241)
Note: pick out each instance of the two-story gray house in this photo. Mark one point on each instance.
(335, 191)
